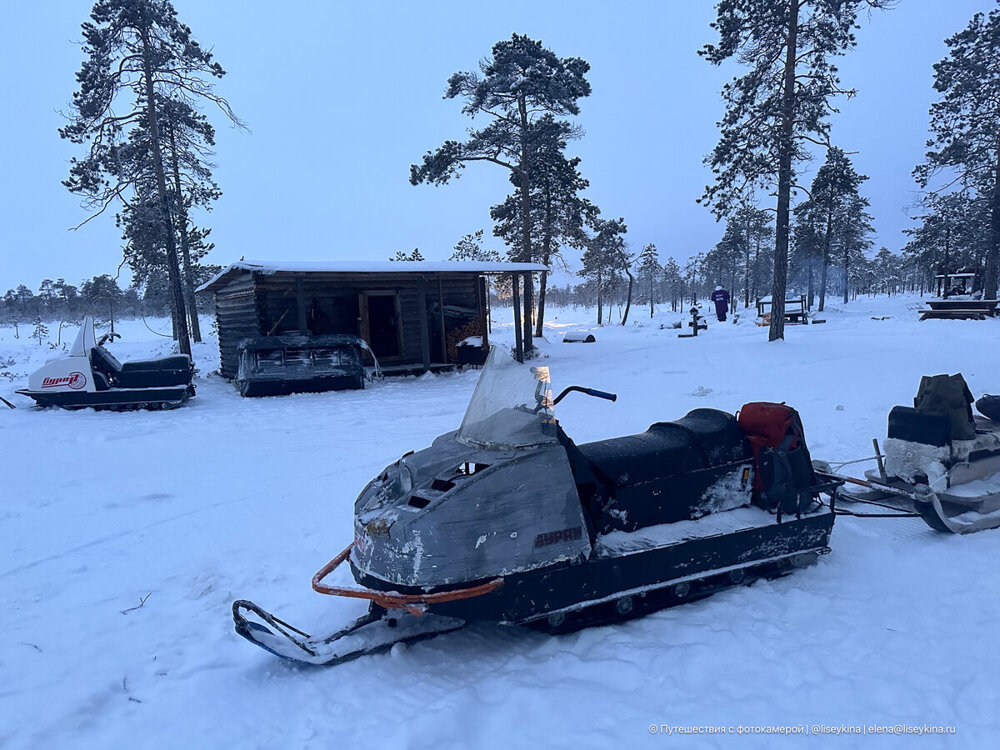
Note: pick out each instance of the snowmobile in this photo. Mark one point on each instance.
(939, 459)
(508, 521)
(90, 376)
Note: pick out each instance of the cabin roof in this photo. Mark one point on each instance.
(362, 266)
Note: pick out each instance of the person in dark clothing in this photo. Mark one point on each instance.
(721, 299)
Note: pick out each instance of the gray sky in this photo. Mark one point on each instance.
(342, 97)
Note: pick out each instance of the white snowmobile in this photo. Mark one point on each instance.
(90, 376)
(940, 459)
(508, 521)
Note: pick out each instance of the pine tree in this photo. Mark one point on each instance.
(673, 283)
(414, 256)
(649, 271)
(605, 258)
(965, 129)
(470, 247)
(954, 233)
(853, 229)
(782, 103)
(834, 208)
(40, 330)
(521, 82)
(137, 55)
(557, 212)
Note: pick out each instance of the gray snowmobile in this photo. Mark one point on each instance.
(509, 521)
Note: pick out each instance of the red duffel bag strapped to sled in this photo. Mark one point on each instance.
(777, 440)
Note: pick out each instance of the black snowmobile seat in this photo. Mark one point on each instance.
(703, 438)
(717, 432)
(154, 373)
(104, 361)
(635, 459)
(179, 362)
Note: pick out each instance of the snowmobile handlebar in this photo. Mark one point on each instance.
(589, 391)
(108, 337)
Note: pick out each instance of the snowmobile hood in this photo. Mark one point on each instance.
(495, 497)
(454, 514)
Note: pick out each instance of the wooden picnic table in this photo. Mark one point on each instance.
(960, 309)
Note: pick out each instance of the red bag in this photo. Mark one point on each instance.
(769, 425)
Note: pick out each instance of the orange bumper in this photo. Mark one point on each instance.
(415, 604)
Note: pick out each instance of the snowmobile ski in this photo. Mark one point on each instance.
(373, 633)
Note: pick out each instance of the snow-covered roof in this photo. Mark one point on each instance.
(364, 266)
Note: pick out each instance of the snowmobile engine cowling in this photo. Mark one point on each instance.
(471, 514)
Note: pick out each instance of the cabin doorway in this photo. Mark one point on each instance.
(380, 323)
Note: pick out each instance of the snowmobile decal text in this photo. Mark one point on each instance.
(75, 380)
(554, 537)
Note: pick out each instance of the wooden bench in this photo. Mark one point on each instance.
(796, 310)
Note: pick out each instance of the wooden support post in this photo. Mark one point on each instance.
(484, 313)
(529, 296)
(518, 345)
(300, 300)
(444, 338)
(425, 339)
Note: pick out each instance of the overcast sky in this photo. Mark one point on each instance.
(342, 97)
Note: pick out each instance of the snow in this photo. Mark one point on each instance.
(269, 267)
(738, 519)
(228, 498)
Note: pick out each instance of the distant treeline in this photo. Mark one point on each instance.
(100, 296)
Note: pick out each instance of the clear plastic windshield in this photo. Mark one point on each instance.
(511, 406)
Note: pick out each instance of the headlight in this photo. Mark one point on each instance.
(405, 479)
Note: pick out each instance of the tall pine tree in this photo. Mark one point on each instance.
(557, 212)
(605, 258)
(650, 271)
(965, 125)
(781, 104)
(519, 83)
(830, 216)
(136, 54)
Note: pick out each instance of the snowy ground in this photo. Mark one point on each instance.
(231, 498)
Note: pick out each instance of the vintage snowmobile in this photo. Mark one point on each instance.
(90, 376)
(509, 521)
(939, 459)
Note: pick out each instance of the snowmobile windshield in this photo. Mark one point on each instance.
(510, 408)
